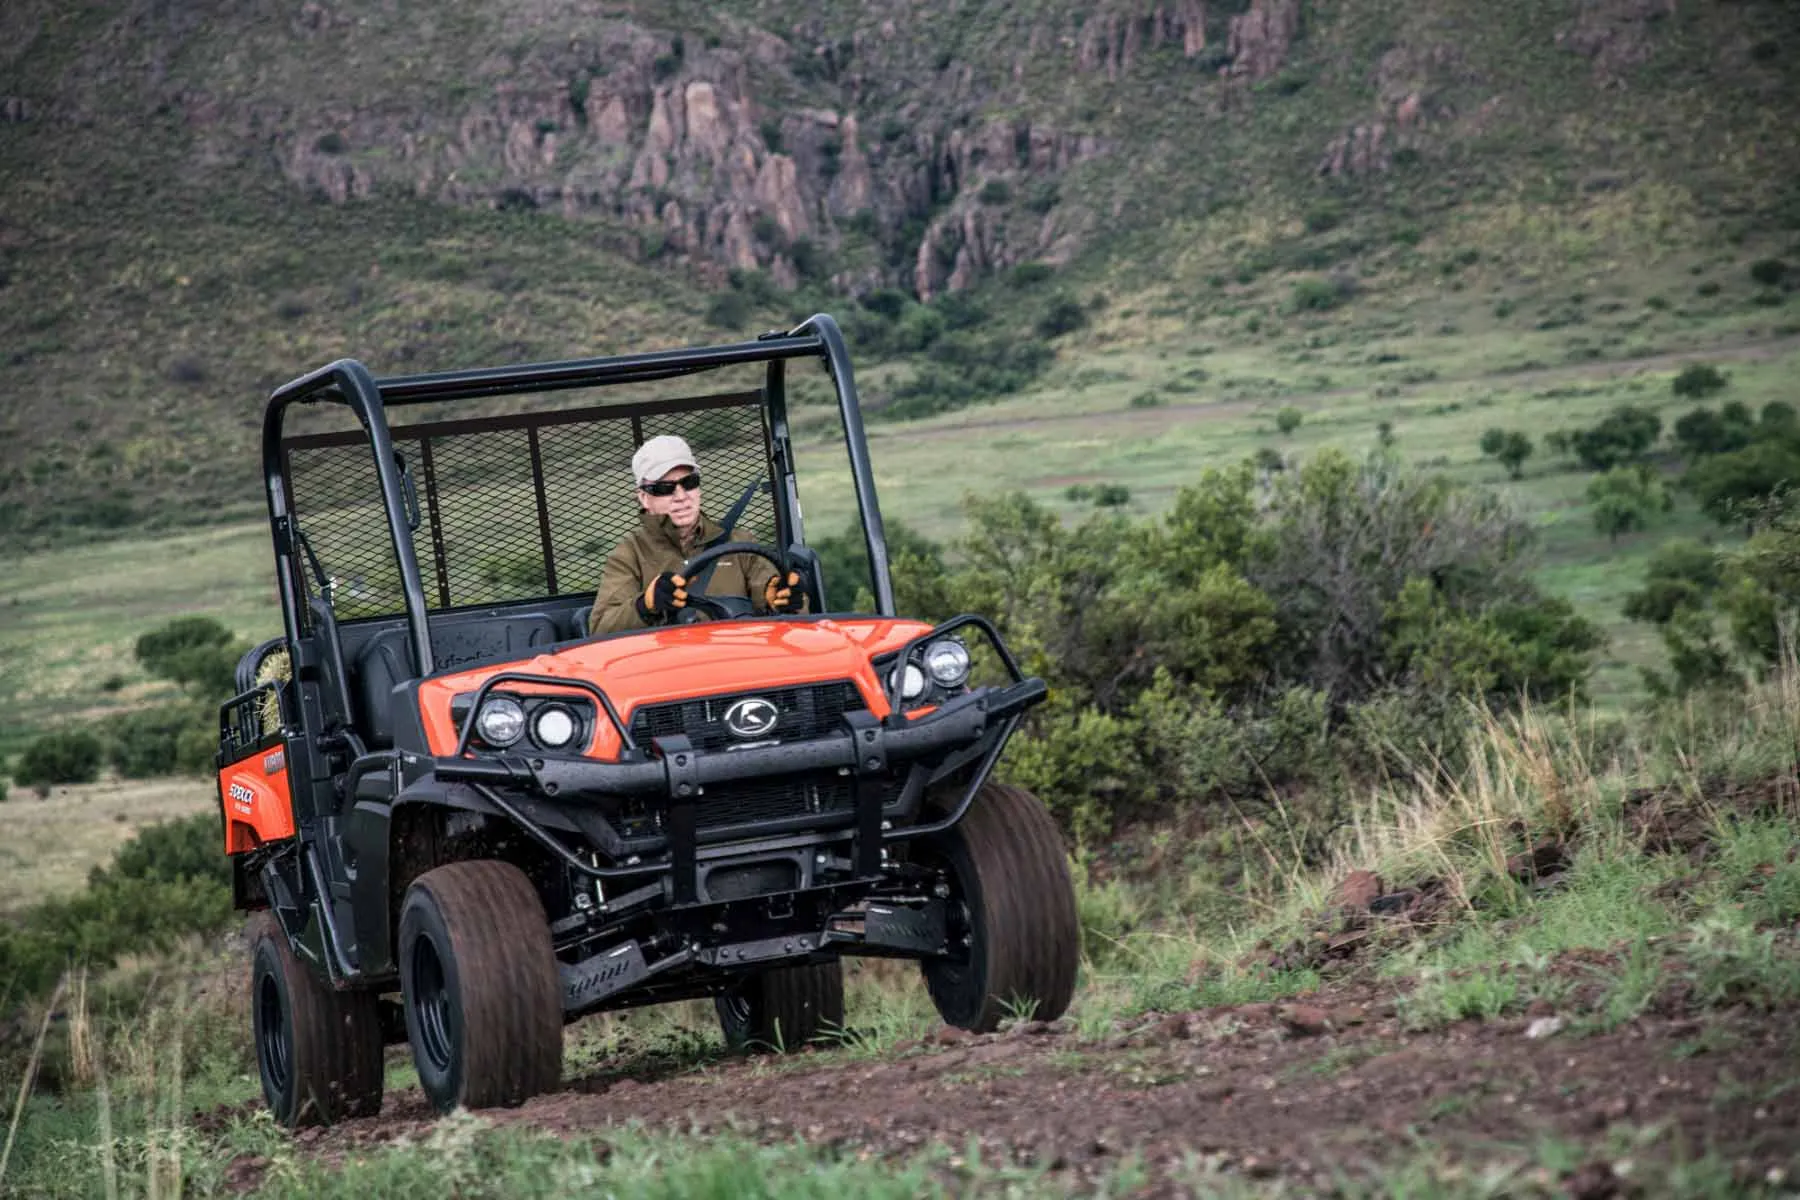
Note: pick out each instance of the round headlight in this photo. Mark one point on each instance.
(554, 727)
(501, 721)
(947, 662)
(912, 685)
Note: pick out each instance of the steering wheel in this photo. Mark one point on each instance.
(701, 606)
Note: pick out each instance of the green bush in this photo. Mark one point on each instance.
(1624, 435)
(196, 652)
(1065, 315)
(1696, 380)
(996, 191)
(172, 739)
(55, 758)
(1288, 419)
(728, 310)
(1030, 274)
(170, 881)
(1315, 295)
(1768, 271)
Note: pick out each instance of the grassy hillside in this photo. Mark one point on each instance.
(203, 203)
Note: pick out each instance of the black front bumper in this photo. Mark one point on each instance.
(543, 793)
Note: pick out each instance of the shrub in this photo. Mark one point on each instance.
(1065, 315)
(1703, 431)
(1626, 499)
(1682, 574)
(1112, 495)
(1314, 295)
(1150, 399)
(1696, 380)
(168, 882)
(1030, 274)
(330, 143)
(770, 128)
(1768, 271)
(728, 310)
(886, 301)
(1288, 419)
(60, 757)
(1624, 435)
(196, 652)
(1730, 487)
(1510, 447)
(171, 739)
(996, 191)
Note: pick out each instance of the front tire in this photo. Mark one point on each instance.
(1012, 907)
(318, 1050)
(482, 995)
(784, 1008)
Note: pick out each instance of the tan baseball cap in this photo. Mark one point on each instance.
(658, 456)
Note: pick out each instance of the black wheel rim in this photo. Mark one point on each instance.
(273, 1050)
(430, 1002)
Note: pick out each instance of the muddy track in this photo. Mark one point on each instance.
(1302, 1093)
(1167, 416)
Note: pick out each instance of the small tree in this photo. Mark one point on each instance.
(1626, 499)
(1697, 380)
(51, 758)
(1510, 447)
(1623, 436)
(1288, 420)
(1682, 574)
(1730, 486)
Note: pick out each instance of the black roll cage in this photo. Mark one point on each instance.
(350, 383)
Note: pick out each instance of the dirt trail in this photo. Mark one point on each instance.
(1302, 1094)
(1151, 421)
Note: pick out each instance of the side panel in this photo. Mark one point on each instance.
(253, 793)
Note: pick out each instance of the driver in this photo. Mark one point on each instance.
(640, 584)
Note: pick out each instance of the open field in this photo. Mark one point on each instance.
(53, 841)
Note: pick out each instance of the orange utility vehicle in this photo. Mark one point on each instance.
(462, 822)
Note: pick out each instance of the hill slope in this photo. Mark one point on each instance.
(203, 199)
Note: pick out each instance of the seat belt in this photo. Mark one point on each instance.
(732, 516)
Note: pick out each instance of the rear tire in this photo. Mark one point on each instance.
(318, 1050)
(1013, 906)
(782, 1009)
(482, 994)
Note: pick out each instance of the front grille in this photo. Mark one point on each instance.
(772, 799)
(808, 711)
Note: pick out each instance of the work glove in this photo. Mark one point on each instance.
(781, 596)
(665, 596)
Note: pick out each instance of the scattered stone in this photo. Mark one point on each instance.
(950, 1035)
(1594, 1181)
(1358, 890)
(1546, 858)
(1174, 1027)
(1543, 1027)
(1304, 1020)
(1540, 1008)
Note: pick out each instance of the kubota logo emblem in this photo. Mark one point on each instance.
(751, 717)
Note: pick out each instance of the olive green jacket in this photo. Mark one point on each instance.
(655, 547)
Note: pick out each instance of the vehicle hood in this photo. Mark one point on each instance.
(707, 659)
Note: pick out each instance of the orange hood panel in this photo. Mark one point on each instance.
(706, 659)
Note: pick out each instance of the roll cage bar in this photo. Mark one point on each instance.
(350, 383)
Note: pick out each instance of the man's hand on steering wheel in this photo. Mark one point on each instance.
(663, 598)
(781, 596)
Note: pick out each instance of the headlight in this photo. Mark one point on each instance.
(947, 662)
(912, 686)
(501, 721)
(554, 727)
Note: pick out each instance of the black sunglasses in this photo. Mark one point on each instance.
(666, 487)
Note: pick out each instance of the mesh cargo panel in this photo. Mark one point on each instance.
(515, 507)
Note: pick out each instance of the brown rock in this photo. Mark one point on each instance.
(1594, 1181)
(1304, 1020)
(1546, 858)
(1358, 890)
(950, 1035)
